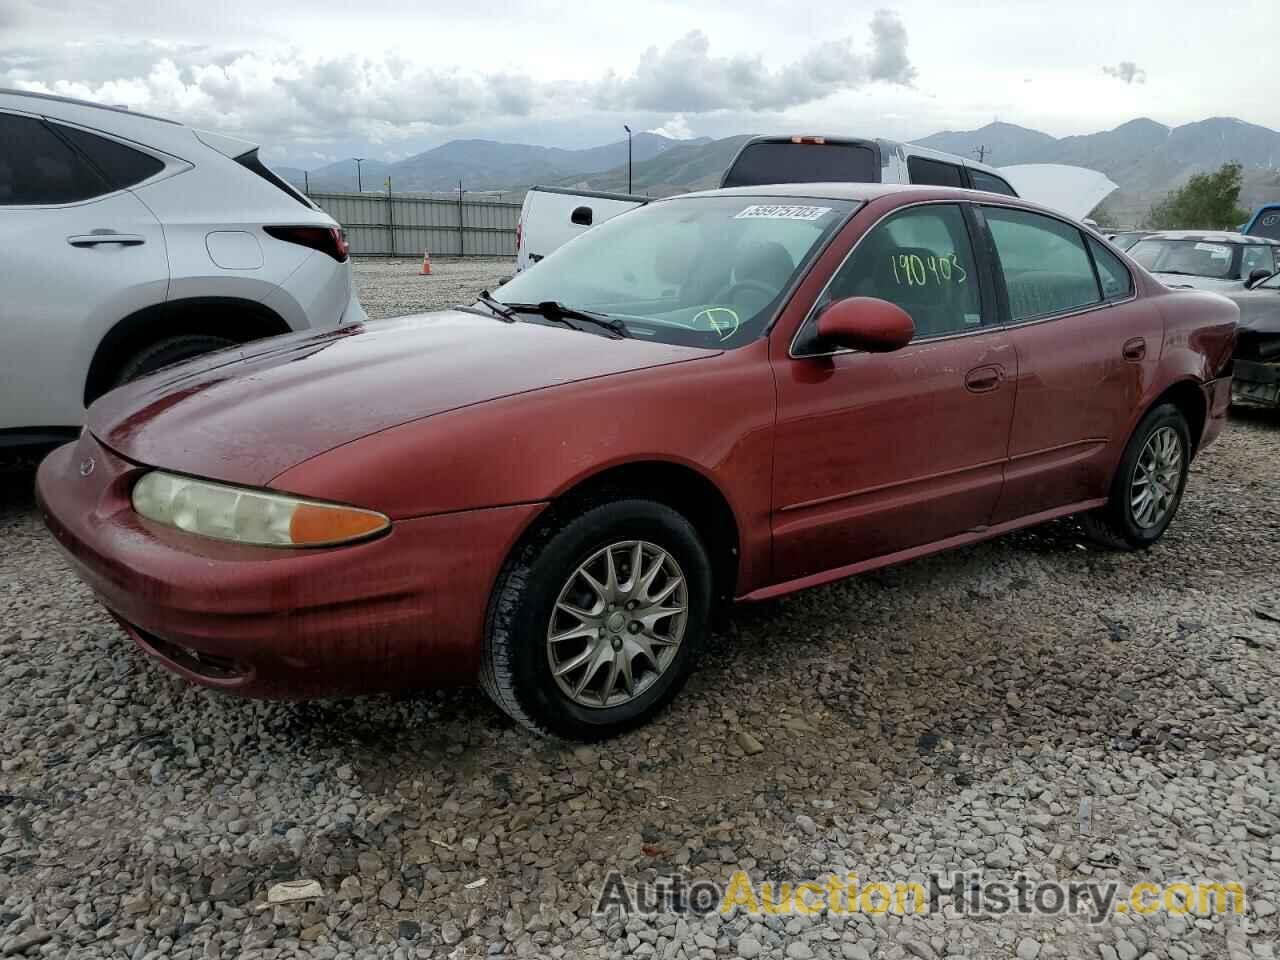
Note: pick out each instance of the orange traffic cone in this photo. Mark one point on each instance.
(426, 265)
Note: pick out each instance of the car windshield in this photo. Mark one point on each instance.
(1125, 240)
(700, 271)
(1266, 224)
(1195, 258)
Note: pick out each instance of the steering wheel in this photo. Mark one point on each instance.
(728, 293)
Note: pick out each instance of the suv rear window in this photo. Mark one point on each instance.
(39, 167)
(119, 165)
(787, 162)
(1267, 225)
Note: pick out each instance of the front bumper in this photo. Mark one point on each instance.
(1256, 382)
(405, 610)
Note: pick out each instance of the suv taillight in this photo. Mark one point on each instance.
(330, 240)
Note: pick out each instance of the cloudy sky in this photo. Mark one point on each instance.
(315, 82)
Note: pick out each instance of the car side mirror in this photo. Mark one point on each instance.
(866, 323)
(581, 216)
(1256, 276)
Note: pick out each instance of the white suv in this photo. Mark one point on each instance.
(129, 242)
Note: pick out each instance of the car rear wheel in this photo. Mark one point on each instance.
(165, 353)
(595, 622)
(1148, 485)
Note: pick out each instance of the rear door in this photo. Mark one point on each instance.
(1086, 348)
(80, 253)
(879, 453)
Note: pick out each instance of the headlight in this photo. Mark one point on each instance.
(250, 516)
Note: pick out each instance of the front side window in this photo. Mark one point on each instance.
(934, 172)
(701, 271)
(990, 183)
(1114, 276)
(1257, 258)
(1188, 258)
(119, 165)
(1045, 265)
(38, 167)
(922, 260)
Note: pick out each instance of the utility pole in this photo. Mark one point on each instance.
(982, 150)
(462, 233)
(628, 129)
(359, 182)
(306, 183)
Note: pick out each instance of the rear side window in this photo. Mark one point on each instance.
(38, 167)
(786, 162)
(934, 172)
(119, 165)
(251, 161)
(1112, 274)
(1045, 265)
(990, 182)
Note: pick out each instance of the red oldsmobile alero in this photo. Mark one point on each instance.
(726, 395)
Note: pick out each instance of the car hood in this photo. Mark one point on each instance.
(247, 415)
(1073, 190)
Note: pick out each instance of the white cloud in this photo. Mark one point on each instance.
(677, 128)
(302, 98)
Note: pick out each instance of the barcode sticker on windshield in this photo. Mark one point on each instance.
(782, 211)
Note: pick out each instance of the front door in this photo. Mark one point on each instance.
(879, 453)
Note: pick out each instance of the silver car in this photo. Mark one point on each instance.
(130, 243)
(1207, 259)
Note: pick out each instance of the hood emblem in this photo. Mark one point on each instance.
(87, 465)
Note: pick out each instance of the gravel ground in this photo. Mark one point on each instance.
(1030, 705)
(392, 287)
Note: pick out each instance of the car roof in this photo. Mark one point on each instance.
(865, 192)
(1210, 236)
(74, 101)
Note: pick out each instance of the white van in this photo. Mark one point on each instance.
(552, 216)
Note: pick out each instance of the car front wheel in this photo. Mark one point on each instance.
(1148, 484)
(595, 623)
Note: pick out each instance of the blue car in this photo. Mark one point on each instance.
(1265, 222)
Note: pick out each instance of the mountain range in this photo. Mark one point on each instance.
(1145, 158)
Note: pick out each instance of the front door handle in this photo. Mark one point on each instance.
(106, 236)
(984, 379)
(1135, 349)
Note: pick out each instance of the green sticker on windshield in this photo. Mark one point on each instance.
(782, 211)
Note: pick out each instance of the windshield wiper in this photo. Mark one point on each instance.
(559, 313)
(505, 313)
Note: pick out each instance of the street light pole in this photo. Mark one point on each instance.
(628, 129)
(359, 182)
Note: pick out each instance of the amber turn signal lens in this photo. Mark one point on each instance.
(313, 525)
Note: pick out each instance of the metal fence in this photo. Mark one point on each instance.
(407, 226)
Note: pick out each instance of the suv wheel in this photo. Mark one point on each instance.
(595, 623)
(165, 353)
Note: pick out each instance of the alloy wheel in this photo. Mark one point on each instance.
(1156, 477)
(617, 624)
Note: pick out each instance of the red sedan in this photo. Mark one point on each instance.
(722, 396)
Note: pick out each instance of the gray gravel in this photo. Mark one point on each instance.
(391, 287)
(1031, 704)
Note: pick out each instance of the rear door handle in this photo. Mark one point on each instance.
(984, 379)
(106, 236)
(1135, 349)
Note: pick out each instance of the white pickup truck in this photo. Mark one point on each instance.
(552, 216)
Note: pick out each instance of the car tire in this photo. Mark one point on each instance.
(165, 353)
(520, 659)
(1128, 522)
